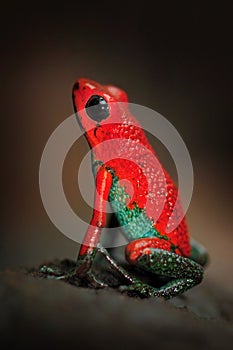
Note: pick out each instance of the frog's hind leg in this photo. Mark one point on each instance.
(199, 253)
(184, 272)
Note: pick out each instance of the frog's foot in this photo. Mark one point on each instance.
(55, 273)
(139, 289)
(50, 272)
(168, 291)
(77, 274)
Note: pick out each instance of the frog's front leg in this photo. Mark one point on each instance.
(89, 247)
(185, 273)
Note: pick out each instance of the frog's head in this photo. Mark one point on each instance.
(97, 108)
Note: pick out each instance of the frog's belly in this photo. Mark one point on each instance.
(134, 221)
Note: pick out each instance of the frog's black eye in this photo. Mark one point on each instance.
(97, 108)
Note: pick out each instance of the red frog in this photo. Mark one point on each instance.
(129, 175)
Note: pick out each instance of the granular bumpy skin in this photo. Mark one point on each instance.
(145, 199)
(171, 265)
(148, 188)
(186, 274)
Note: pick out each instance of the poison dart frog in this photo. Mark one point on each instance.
(103, 114)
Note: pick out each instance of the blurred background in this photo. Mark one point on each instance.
(175, 60)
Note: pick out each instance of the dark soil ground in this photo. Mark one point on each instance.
(41, 313)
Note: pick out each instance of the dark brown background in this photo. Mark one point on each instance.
(175, 60)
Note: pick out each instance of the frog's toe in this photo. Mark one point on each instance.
(50, 272)
(139, 289)
(55, 273)
(94, 282)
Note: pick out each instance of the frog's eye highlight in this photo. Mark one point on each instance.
(97, 108)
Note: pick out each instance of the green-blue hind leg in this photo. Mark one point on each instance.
(185, 274)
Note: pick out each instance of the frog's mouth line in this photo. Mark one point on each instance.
(96, 129)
